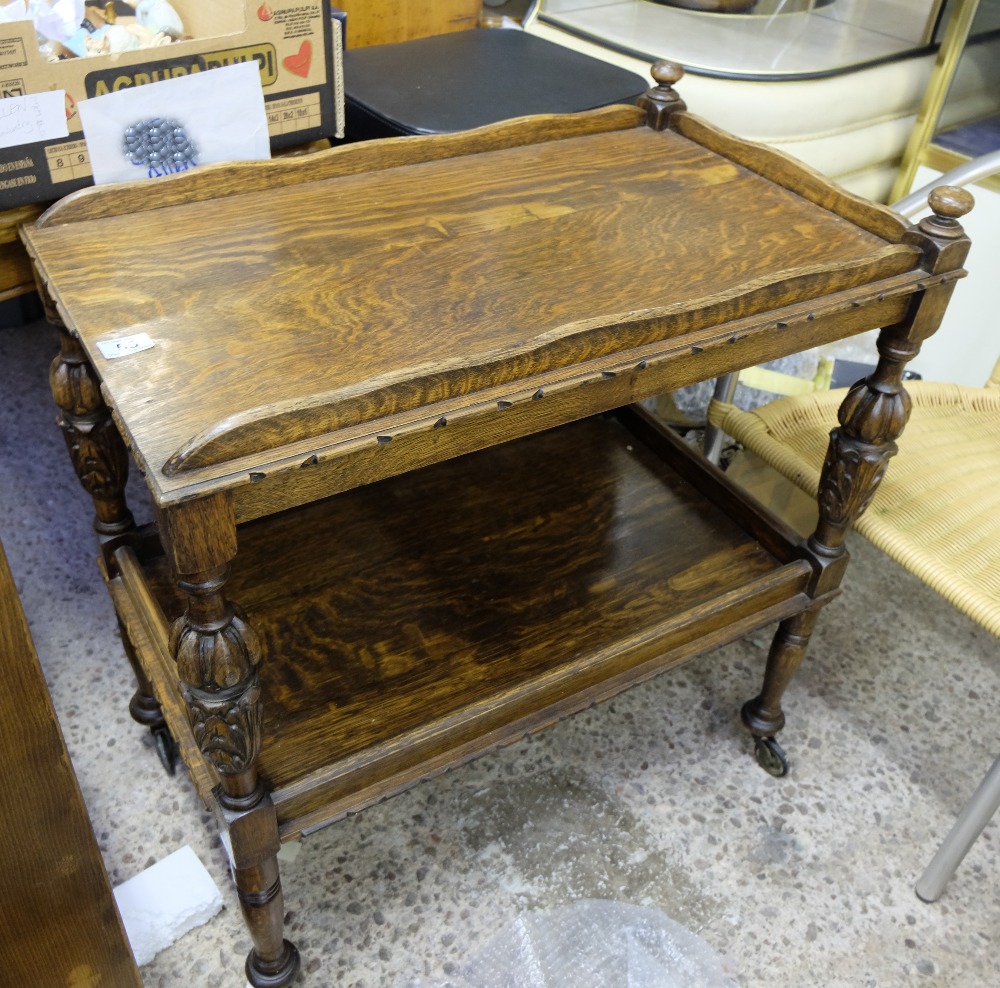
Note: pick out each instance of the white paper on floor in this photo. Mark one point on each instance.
(159, 905)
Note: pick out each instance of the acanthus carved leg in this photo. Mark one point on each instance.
(101, 463)
(871, 418)
(96, 450)
(218, 655)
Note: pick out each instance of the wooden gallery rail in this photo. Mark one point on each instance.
(384, 399)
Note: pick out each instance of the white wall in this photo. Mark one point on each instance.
(967, 345)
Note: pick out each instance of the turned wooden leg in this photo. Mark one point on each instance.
(871, 417)
(763, 715)
(254, 836)
(218, 654)
(145, 709)
(101, 462)
(96, 450)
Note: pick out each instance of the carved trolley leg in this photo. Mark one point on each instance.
(101, 462)
(145, 708)
(871, 417)
(763, 715)
(217, 654)
(95, 447)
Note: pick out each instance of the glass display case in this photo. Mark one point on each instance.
(761, 39)
(836, 83)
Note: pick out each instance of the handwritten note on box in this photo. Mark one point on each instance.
(35, 117)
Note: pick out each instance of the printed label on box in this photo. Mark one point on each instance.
(288, 116)
(12, 87)
(68, 161)
(12, 54)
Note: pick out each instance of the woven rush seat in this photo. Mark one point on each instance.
(937, 511)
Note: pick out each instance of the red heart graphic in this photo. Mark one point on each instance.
(299, 64)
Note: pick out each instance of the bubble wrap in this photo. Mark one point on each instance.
(592, 943)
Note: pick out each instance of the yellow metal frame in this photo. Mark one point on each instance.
(952, 45)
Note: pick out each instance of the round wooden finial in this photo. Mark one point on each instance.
(666, 73)
(949, 203)
(661, 100)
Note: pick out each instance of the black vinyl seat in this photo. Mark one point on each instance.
(467, 79)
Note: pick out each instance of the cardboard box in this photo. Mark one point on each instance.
(297, 44)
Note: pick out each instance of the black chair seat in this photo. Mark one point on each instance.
(471, 78)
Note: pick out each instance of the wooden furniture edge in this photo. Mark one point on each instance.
(630, 376)
(149, 633)
(237, 178)
(279, 424)
(784, 589)
(67, 928)
(411, 442)
(295, 823)
(11, 219)
(654, 650)
(783, 169)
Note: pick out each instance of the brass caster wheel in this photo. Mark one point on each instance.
(771, 757)
(166, 748)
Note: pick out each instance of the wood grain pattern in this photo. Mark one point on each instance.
(382, 23)
(790, 173)
(57, 913)
(16, 276)
(217, 181)
(421, 609)
(310, 469)
(374, 294)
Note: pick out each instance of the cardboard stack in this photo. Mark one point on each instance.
(297, 45)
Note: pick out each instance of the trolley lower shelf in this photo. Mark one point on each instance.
(414, 623)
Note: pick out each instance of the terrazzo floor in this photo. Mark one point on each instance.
(652, 799)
